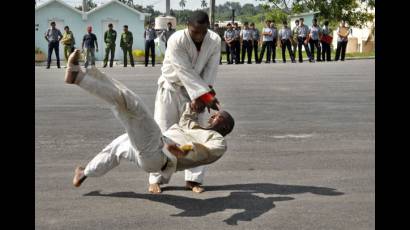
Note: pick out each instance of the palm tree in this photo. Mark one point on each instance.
(182, 3)
(204, 4)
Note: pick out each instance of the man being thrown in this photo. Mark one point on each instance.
(182, 146)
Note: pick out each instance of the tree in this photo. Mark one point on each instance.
(128, 2)
(332, 10)
(204, 3)
(90, 5)
(182, 4)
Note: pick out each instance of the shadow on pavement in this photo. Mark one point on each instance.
(252, 205)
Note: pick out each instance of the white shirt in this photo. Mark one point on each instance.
(314, 32)
(246, 34)
(185, 66)
(285, 33)
(267, 38)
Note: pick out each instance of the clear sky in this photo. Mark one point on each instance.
(160, 4)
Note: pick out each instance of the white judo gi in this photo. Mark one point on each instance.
(143, 144)
(186, 75)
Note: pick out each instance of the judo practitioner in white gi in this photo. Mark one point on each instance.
(184, 145)
(188, 75)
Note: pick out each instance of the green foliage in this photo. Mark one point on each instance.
(332, 10)
(38, 51)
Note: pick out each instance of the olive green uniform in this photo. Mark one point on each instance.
(68, 42)
(109, 38)
(126, 45)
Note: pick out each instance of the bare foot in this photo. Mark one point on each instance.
(79, 176)
(194, 186)
(154, 189)
(73, 73)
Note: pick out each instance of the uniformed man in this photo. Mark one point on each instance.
(341, 41)
(149, 36)
(229, 37)
(126, 45)
(315, 34)
(247, 42)
(295, 37)
(110, 36)
(255, 37)
(53, 37)
(237, 43)
(326, 50)
(91, 46)
(303, 39)
(274, 40)
(266, 41)
(167, 33)
(68, 41)
(285, 37)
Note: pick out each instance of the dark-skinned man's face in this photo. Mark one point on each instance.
(197, 32)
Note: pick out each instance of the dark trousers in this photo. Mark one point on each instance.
(128, 50)
(150, 45)
(247, 46)
(287, 44)
(109, 49)
(230, 53)
(326, 52)
(53, 45)
(237, 49)
(301, 41)
(313, 44)
(255, 48)
(341, 46)
(268, 46)
(273, 50)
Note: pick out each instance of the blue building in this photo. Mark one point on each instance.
(113, 12)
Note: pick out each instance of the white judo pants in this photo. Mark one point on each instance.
(170, 103)
(142, 144)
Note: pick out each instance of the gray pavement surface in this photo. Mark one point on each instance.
(302, 154)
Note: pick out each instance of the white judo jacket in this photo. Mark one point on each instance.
(208, 145)
(184, 66)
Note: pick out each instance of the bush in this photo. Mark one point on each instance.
(138, 53)
(38, 51)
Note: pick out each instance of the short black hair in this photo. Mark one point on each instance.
(229, 24)
(326, 23)
(301, 19)
(169, 23)
(252, 24)
(297, 21)
(285, 22)
(126, 26)
(66, 27)
(246, 23)
(53, 22)
(236, 24)
(110, 25)
(198, 17)
(229, 121)
(315, 20)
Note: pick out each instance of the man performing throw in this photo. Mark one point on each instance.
(182, 146)
(188, 74)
